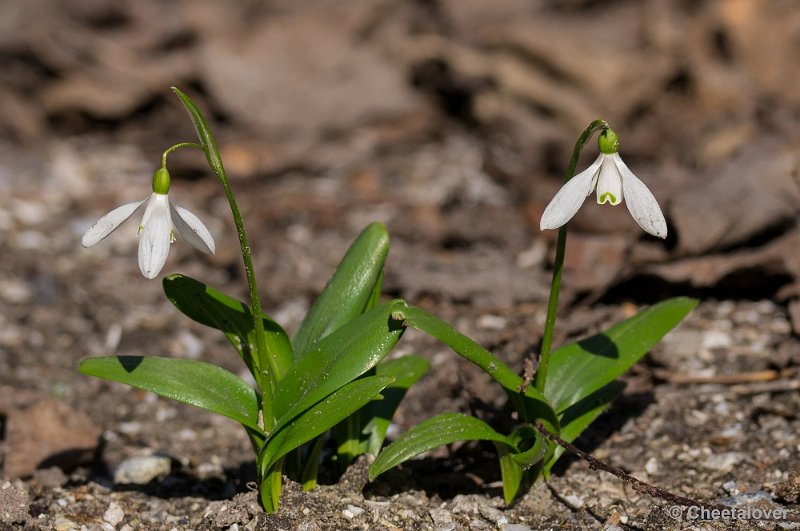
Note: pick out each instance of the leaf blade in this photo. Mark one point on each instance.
(324, 415)
(192, 382)
(336, 360)
(437, 431)
(378, 415)
(532, 402)
(349, 290)
(579, 369)
(213, 308)
(203, 132)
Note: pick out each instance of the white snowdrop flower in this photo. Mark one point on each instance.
(613, 182)
(157, 230)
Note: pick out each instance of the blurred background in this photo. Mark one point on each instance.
(452, 121)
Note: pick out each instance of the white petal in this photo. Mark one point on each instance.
(192, 229)
(609, 182)
(106, 225)
(641, 203)
(570, 198)
(155, 237)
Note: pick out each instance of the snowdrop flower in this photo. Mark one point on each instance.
(613, 181)
(157, 229)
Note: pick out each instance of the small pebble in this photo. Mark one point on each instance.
(723, 462)
(716, 339)
(493, 515)
(492, 322)
(575, 501)
(114, 514)
(142, 470)
(730, 487)
(355, 510)
(514, 527)
(652, 467)
(65, 524)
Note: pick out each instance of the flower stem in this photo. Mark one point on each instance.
(178, 146)
(558, 265)
(273, 373)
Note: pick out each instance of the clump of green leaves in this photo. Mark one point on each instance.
(574, 384)
(329, 376)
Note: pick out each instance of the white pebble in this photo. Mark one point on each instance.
(142, 470)
(575, 501)
(114, 514)
(716, 339)
(492, 322)
(652, 467)
(723, 462)
(355, 510)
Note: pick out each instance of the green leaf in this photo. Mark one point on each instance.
(512, 473)
(323, 416)
(191, 382)
(579, 369)
(353, 440)
(309, 475)
(270, 487)
(579, 416)
(378, 415)
(203, 132)
(349, 290)
(337, 360)
(437, 431)
(519, 469)
(211, 307)
(532, 405)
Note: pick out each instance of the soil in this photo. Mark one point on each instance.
(452, 122)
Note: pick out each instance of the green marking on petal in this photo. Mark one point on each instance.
(607, 196)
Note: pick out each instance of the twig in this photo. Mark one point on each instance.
(723, 379)
(638, 485)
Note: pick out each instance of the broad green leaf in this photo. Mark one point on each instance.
(375, 417)
(533, 404)
(349, 290)
(323, 416)
(211, 307)
(191, 382)
(579, 369)
(378, 415)
(437, 431)
(203, 132)
(336, 360)
(579, 416)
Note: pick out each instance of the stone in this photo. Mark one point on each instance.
(142, 470)
(114, 514)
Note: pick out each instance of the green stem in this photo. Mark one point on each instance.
(558, 266)
(178, 146)
(255, 302)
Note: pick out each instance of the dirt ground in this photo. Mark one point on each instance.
(451, 121)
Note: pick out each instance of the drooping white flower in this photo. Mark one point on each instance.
(157, 230)
(613, 182)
